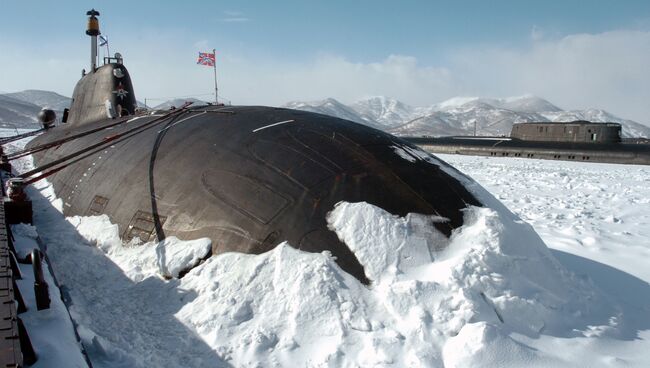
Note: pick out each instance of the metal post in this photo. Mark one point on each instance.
(41, 289)
(108, 49)
(216, 90)
(93, 53)
(5, 165)
(16, 189)
(26, 347)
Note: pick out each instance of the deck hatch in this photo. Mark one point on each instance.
(97, 206)
(142, 226)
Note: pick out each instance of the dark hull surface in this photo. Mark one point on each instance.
(248, 178)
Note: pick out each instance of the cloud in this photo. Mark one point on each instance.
(233, 16)
(334, 76)
(235, 19)
(606, 70)
(536, 33)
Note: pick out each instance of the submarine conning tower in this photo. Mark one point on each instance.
(105, 91)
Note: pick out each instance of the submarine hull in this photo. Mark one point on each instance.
(615, 152)
(248, 178)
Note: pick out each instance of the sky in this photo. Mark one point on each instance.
(576, 54)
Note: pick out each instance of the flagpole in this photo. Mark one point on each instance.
(216, 90)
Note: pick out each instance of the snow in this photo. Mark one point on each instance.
(168, 258)
(50, 330)
(178, 102)
(494, 294)
(333, 107)
(455, 102)
(383, 110)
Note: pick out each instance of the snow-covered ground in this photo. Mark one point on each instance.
(492, 295)
(596, 220)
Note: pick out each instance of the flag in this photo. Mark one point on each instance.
(206, 58)
(103, 41)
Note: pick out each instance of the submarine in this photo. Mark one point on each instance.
(247, 177)
(580, 140)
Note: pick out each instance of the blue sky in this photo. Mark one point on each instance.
(416, 51)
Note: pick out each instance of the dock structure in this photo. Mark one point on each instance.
(16, 349)
(10, 337)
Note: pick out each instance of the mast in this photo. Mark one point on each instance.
(216, 90)
(93, 32)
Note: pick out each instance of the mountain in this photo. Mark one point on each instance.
(44, 99)
(19, 109)
(455, 116)
(526, 104)
(178, 102)
(463, 119)
(333, 107)
(630, 128)
(17, 114)
(382, 110)
(461, 115)
(530, 104)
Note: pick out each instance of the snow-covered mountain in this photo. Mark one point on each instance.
(19, 109)
(383, 110)
(530, 104)
(333, 107)
(178, 102)
(17, 114)
(44, 99)
(455, 116)
(461, 115)
(477, 114)
(527, 103)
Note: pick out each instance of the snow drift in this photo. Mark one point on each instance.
(433, 301)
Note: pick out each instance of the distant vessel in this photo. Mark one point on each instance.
(572, 141)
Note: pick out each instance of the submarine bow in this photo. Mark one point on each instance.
(247, 177)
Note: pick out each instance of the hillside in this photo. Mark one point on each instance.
(17, 114)
(461, 115)
(455, 116)
(19, 109)
(44, 99)
(178, 102)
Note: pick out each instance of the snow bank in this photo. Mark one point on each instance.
(50, 330)
(426, 306)
(168, 258)
(433, 301)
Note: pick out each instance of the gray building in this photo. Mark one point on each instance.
(576, 131)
